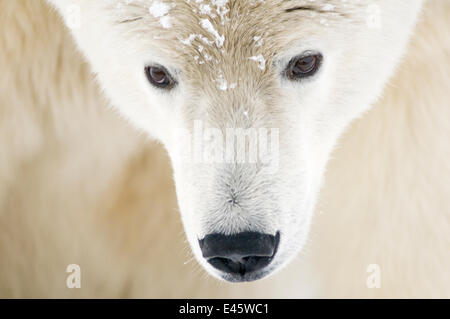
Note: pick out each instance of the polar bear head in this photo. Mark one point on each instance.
(248, 98)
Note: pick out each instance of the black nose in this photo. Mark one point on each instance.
(240, 253)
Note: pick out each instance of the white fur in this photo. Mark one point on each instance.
(358, 60)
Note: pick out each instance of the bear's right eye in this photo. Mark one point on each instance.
(303, 66)
(158, 76)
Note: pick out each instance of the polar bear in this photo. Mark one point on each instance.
(83, 187)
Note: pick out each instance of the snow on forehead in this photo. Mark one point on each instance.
(212, 9)
(206, 30)
(216, 33)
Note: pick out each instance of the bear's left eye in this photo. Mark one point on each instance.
(158, 76)
(303, 66)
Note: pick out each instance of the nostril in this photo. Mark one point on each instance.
(246, 265)
(240, 253)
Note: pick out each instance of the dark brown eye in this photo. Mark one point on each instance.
(159, 77)
(303, 66)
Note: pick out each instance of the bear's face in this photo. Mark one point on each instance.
(249, 98)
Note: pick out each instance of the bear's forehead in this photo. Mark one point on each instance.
(208, 33)
(232, 21)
